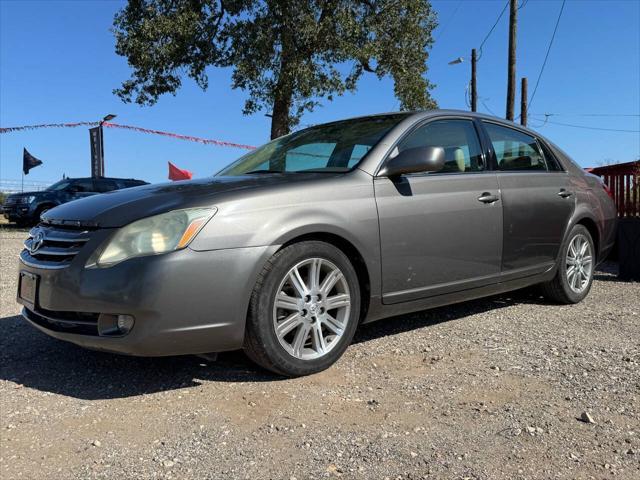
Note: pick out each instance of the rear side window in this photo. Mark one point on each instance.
(514, 150)
(458, 138)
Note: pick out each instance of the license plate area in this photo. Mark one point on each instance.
(28, 289)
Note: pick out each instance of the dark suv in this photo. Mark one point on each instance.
(25, 208)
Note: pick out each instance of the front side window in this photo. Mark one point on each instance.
(514, 150)
(102, 186)
(333, 147)
(84, 185)
(458, 138)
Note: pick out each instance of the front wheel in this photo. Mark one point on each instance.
(39, 212)
(304, 309)
(575, 270)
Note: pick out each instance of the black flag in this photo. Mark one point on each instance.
(29, 162)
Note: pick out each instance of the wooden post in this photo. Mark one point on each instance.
(511, 69)
(523, 102)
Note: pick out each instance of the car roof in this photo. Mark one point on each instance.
(371, 162)
(416, 115)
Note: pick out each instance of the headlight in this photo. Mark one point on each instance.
(29, 199)
(152, 236)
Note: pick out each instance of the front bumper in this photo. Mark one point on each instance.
(184, 302)
(17, 212)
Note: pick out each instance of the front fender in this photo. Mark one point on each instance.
(344, 207)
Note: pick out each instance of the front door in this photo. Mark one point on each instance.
(537, 201)
(79, 188)
(440, 232)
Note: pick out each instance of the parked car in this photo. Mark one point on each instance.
(287, 250)
(25, 208)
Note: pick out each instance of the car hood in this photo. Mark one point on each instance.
(120, 207)
(27, 194)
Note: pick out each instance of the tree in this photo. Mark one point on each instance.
(288, 55)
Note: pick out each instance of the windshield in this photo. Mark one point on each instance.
(61, 185)
(333, 147)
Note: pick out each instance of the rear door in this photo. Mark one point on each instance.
(440, 232)
(537, 201)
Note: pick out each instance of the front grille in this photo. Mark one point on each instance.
(66, 322)
(53, 247)
(10, 201)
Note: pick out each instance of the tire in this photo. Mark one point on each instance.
(39, 212)
(567, 287)
(316, 334)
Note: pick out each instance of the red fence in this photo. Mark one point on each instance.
(623, 181)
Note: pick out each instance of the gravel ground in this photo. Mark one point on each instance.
(488, 389)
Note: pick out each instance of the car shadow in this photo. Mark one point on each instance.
(12, 227)
(32, 359)
(447, 313)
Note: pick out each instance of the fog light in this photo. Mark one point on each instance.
(125, 323)
(114, 325)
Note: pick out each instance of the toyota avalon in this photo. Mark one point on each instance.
(287, 250)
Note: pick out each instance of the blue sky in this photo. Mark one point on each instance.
(57, 64)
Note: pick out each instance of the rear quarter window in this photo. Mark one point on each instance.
(552, 162)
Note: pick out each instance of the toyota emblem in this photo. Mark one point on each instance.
(36, 242)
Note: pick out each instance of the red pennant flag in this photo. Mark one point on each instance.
(176, 173)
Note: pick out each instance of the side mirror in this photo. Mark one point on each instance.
(414, 160)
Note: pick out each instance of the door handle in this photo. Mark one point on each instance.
(564, 193)
(488, 197)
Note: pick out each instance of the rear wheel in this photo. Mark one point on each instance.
(304, 309)
(575, 272)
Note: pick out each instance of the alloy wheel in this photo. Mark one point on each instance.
(579, 263)
(311, 308)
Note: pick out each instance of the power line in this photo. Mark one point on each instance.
(488, 109)
(553, 36)
(594, 128)
(587, 114)
(448, 21)
(492, 29)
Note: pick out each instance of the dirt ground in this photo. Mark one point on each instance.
(489, 389)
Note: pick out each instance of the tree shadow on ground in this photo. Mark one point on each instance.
(30, 358)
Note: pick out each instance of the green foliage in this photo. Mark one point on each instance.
(288, 55)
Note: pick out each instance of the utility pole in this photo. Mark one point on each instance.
(511, 71)
(523, 102)
(474, 88)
